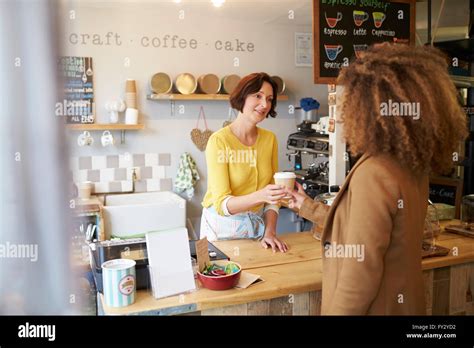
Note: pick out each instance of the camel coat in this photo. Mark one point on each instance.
(371, 237)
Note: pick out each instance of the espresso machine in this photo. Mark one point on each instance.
(309, 149)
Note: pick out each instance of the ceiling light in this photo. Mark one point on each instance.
(217, 3)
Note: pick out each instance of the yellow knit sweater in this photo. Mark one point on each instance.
(234, 169)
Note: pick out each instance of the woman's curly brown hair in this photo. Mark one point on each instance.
(403, 74)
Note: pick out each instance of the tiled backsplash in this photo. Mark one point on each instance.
(114, 173)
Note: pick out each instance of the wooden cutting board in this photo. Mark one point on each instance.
(250, 254)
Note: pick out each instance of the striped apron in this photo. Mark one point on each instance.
(247, 225)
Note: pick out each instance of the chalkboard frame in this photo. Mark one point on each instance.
(456, 183)
(316, 53)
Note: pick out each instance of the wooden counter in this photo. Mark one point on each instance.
(292, 282)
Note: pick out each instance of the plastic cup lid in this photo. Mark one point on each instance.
(284, 175)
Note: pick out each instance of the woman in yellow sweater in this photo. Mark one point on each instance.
(241, 200)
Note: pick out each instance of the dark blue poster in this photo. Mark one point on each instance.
(77, 78)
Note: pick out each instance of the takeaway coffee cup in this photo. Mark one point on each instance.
(118, 277)
(85, 189)
(286, 179)
(130, 86)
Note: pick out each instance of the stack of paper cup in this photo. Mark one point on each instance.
(85, 189)
(131, 116)
(131, 94)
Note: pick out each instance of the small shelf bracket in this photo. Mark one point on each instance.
(122, 136)
(172, 105)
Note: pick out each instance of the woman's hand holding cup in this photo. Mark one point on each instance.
(286, 180)
(297, 197)
(270, 194)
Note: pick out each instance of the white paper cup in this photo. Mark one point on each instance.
(118, 277)
(131, 116)
(131, 100)
(85, 189)
(286, 179)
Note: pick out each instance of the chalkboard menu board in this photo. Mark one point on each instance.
(446, 190)
(77, 76)
(342, 29)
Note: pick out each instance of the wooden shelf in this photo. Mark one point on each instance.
(104, 126)
(172, 97)
(462, 81)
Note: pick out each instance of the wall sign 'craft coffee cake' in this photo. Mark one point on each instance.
(342, 29)
(77, 77)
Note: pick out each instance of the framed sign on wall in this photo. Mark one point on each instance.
(78, 90)
(303, 49)
(342, 29)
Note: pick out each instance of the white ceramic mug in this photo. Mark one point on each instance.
(107, 138)
(131, 116)
(85, 139)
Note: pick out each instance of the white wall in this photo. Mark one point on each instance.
(273, 53)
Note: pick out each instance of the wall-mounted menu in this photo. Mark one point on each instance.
(77, 76)
(345, 28)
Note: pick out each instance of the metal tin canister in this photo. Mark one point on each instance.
(119, 282)
(280, 84)
(161, 83)
(186, 83)
(229, 82)
(209, 84)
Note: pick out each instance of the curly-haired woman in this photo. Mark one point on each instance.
(381, 207)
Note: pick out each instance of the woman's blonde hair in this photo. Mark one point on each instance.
(386, 76)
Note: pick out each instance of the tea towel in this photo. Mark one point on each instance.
(187, 175)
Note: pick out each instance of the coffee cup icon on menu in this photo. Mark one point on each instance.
(332, 51)
(379, 17)
(360, 17)
(358, 49)
(332, 21)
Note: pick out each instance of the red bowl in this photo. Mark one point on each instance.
(220, 282)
